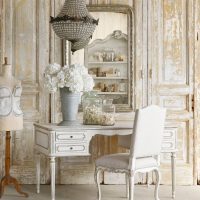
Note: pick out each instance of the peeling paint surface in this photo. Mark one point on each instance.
(174, 41)
(171, 40)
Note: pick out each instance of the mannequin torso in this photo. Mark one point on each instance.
(11, 117)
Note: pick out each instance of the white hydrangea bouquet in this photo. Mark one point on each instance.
(75, 77)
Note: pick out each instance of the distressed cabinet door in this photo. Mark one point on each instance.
(170, 80)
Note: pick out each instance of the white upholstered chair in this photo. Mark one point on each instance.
(145, 149)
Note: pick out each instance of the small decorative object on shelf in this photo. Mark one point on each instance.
(122, 86)
(72, 80)
(108, 113)
(117, 72)
(108, 62)
(98, 56)
(108, 55)
(92, 108)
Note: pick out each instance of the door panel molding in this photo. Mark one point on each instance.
(171, 58)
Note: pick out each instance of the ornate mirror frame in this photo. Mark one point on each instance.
(124, 9)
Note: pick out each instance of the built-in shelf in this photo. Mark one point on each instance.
(108, 74)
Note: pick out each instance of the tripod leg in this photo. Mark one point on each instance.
(7, 179)
(17, 186)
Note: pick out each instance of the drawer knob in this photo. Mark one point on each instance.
(71, 136)
(71, 148)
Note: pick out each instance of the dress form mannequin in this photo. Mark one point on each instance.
(11, 118)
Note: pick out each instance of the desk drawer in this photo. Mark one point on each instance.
(71, 136)
(71, 148)
(169, 139)
(168, 145)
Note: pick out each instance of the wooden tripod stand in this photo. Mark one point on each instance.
(7, 179)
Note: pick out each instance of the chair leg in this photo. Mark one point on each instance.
(157, 172)
(147, 175)
(131, 187)
(127, 185)
(96, 178)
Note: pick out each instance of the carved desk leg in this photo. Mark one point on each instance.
(173, 160)
(147, 175)
(52, 162)
(127, 185)
(38, 172)
(7, 179)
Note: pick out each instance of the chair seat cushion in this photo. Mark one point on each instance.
(121, 161)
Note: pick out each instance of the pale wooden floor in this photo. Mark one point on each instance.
(110, 192)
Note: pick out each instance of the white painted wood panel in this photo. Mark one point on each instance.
(171, 51)
(26, 44)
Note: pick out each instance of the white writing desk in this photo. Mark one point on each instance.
(63, 141)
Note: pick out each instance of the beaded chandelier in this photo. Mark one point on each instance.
(74, 23)
(80, 44)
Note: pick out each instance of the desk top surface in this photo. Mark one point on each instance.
(119, 125)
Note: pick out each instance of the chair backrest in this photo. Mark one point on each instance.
(147, 132)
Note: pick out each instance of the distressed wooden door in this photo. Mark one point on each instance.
(25, 41)
(170, 77)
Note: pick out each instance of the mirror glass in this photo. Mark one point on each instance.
(109, 55)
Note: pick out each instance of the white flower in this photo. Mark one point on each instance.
(89, 83)
(75, 77)
(61, 79)
(52, 69)
(51, 83)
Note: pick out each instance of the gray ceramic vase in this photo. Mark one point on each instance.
(69, 106)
